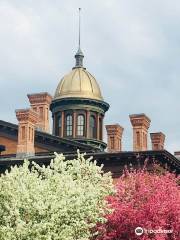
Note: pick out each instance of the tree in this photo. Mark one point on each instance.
(145, 200)
(62, 201)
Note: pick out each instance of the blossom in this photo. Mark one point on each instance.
(62, 201)
(145, 200)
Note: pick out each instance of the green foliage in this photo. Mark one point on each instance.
(63, 201)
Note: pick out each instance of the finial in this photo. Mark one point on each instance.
(79, 27)
(79, 55)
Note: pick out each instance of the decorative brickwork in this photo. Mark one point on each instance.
(26, 130)
(157, 140)
(140, 123)
(40, 103)
(114, 133)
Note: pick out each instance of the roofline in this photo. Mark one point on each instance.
(113, 162)
(50, 136)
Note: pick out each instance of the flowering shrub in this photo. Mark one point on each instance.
(60, 202)
(144, 200)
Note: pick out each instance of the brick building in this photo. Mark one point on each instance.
(78, 110)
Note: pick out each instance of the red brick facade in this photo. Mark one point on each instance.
(11, 146)
(26, 130)
(140, 124)
(114, 134)
(157, 140)
(40, 103)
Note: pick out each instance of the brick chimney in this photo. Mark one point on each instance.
(40, 103)
(26, 130)
(140, 123)
(157, 140)
(114, 134)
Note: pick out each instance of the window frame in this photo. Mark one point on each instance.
(69, 125)
(58, 124)
(101, 128)
(80, 125)
(92, 129)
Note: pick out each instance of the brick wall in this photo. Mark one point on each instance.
(11, 146)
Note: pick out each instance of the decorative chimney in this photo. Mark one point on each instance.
(40, 103)
(26, 130)
(140, 123)
(114, 134)
(157, 140)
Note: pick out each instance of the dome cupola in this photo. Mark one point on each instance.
(78, 107)
(78, 83)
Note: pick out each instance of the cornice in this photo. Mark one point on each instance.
(36, 98)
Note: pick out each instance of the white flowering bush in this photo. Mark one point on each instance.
(62, 201)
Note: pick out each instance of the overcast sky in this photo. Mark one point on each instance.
(132, 47)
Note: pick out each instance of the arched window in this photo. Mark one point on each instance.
(92, 127)
(100, 128)
(80, 125)
(69, 126)
(58, 125)
(59, 122)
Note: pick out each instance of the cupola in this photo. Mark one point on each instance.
(78, 107)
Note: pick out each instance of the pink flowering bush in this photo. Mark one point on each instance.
(145, 200)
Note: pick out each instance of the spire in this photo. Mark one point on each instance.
(79, 55)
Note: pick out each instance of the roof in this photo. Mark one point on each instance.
(78, 83)
(113, 162)
(46, 140)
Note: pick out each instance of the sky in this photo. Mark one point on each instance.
(132, 47)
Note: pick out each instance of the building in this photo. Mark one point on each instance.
(78, 110)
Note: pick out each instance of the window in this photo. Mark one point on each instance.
(80, 125)
(69, 126)
(59, 122)
(58, 125)
(92, 127)
(100, 129)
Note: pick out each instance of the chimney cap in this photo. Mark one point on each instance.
(140, 115)
(27, 114)
(42, 97)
